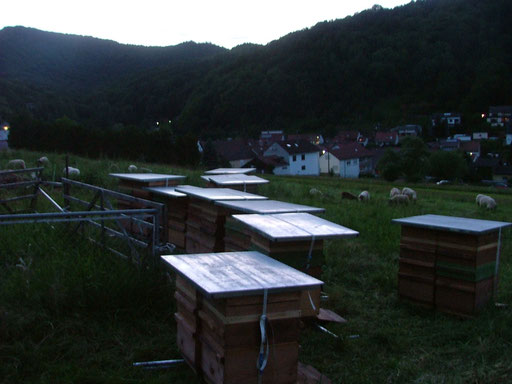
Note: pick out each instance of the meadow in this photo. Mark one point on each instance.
(72, 313)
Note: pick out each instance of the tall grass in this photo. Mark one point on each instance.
(72, 313)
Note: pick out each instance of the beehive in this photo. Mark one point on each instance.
(449, 263)
(220, 300)
(205, 220)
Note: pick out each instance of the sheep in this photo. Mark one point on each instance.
(132, 168)
(411, 193)
(399, 199)
(478, 197)
(348, 196)
(394, 192)
(364, 196)
(71, 171)
(43, 161)
(486, 201)
(315, 192)
(16, 164)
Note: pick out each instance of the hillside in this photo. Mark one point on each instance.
(387, 66)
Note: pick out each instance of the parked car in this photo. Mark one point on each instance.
(501, 185)
(443, 182)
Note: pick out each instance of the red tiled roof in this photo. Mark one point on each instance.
(351, 151)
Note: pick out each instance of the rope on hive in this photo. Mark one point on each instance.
(261, 363)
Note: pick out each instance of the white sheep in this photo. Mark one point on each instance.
(478, 197)
(394, 192)
(487, 202)
(71, 171)
(399, 199)
(411, 193)
(132, 168)
(43, 161)
(315, 192)
(16, 164)
(364, 196)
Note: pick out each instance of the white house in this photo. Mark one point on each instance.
(300, 158)
(343, 160)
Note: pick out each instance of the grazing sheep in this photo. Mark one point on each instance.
(364, 196)
(478, 197)
(394, 192)
(132, 168)
(16, 164)
(315, 192)
(409, 192)
(348, 196)
(71, 171)
(487, 202)
(399, 199)
(43, 161)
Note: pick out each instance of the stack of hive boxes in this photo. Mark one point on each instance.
(177, 210)
(220, 300)
(136, 184)
(296, 239)
(448, 262)
(238, 235)
(205, 220)
(417, 264)
(465, 271)
(240, 182)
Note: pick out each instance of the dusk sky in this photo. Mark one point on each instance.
(166, 22)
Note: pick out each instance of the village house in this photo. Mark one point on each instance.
(499, 116)
(345, 160)
(407, 130)
(386, 139)
(267, 138)
(299, 157)
(313, 138)
(480, 135)
(448, 121)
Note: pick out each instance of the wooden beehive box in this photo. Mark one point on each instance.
(449, 263)
(238, 235)
(177, 210)
(135, 184)
(240, 182)
(289, 238)
(205, 220)
(220, 300)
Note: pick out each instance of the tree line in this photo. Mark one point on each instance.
(63, 135)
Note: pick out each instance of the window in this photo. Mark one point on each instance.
(294, 157)
(303, 168)
(348, 162)
(303, 157)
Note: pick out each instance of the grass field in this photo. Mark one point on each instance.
(70, 313)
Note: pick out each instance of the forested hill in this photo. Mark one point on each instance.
(380, 65)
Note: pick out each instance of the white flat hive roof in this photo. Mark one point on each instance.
(294, 226)
(145, 177)
(214, 194)
(267, 207)
(166, 192)
(452, 223)
(234, 179)
(226, 171)
(230, 274)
